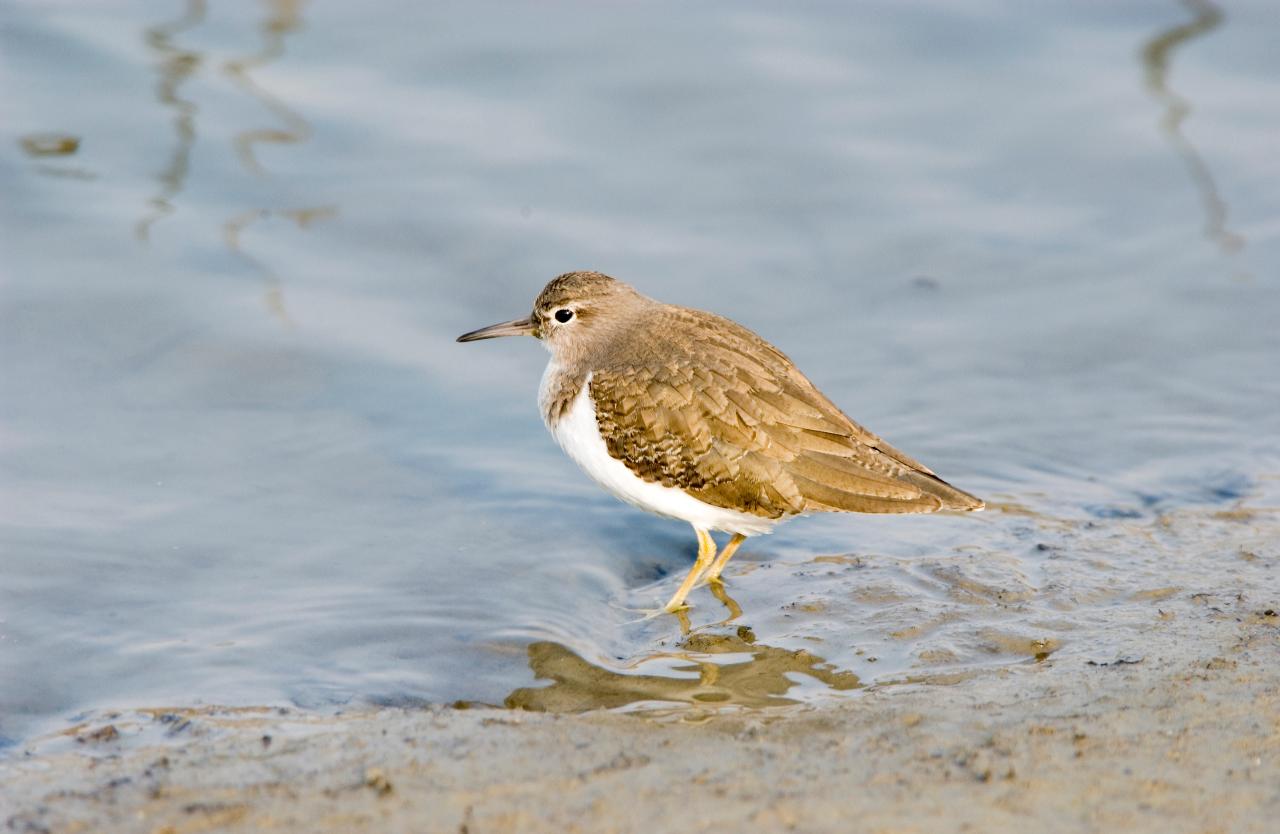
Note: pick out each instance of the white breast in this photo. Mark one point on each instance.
(579, 435)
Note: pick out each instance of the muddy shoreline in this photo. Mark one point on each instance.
(1186, 738)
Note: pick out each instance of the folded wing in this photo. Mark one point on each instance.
(739, 427)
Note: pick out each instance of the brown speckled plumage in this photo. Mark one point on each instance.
(724, 415)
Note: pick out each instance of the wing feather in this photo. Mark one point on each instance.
(733, 422)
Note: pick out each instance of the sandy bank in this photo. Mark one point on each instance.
(1177, 741)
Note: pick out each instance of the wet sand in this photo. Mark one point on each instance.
(1184, 738)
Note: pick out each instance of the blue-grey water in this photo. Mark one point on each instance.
(242, 460)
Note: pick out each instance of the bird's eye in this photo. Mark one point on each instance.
(563, 316)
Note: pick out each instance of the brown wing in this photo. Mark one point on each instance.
(740, 427)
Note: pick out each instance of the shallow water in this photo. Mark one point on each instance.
(242, 460)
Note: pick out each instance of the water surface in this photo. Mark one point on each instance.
(242, 460)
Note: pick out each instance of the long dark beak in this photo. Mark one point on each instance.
(516, 327)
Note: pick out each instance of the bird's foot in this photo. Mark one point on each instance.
(680, 612)
(712, 582)
(650, 613)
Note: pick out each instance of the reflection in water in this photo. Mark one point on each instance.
(1156, 55)
(49, 144)
(717, 591)
(283, 18)
(175, 67)
(682, 615)
(760, 678)
(302, 217)
(54, 145)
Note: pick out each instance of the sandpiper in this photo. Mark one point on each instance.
(692, 416)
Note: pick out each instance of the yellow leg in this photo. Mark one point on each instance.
(706, 553)
(713, 572)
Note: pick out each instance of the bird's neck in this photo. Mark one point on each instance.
(561, 383)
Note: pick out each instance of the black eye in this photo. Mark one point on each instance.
(563, 315)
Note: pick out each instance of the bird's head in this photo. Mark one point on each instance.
(574, 315)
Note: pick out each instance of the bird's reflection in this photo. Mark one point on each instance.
(682, 614)
(1156, 57)
(718, 591)
(175, 67)
(707, 669)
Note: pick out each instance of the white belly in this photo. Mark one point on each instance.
(579, 435)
